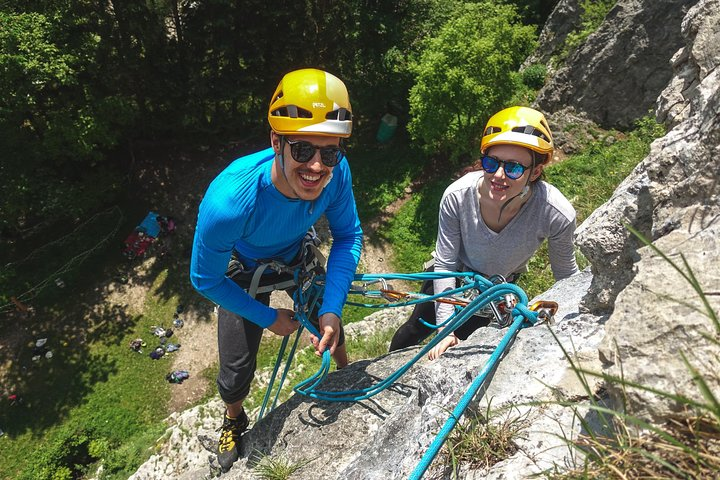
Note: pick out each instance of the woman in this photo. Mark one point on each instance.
(492, 221)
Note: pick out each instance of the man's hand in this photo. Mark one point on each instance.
(330, 331)
(284, 324)
(447, 342)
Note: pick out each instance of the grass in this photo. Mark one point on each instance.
(685, 448)
(589, 178)
(276, 468)
(371, 346)
(413, 229)
(376, 188)
(94, 400)
(483, 439)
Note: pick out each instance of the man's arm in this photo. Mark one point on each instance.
(342, 262)
(346, 245)
(217, 227)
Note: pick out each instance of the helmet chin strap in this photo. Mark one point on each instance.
(281, 159)
(281, 156)
(523, 193)
(327, 182)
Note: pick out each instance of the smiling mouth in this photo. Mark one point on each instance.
(310, 180)
(499, 187)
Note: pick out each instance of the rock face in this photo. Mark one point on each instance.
(385, 436)
(608, 245)
(617, 74)
(673, 197)
(564, 19)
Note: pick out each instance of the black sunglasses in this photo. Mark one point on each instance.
(513, 170)
(303, 151)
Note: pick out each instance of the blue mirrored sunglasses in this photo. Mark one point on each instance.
(303, 151)
(513, 170)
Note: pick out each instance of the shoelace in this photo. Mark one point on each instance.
(231, 429)
(227, 440)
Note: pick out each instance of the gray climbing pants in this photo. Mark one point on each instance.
(239, 341)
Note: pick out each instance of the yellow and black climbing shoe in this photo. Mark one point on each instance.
(229, 441)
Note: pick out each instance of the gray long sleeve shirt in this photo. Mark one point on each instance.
(465, 243)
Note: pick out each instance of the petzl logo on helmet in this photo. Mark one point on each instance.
(318, 105)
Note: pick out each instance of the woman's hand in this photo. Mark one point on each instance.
(447, 342)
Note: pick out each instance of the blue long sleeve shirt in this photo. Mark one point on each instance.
(242, 211)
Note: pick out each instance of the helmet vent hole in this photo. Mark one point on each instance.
(530, 130)
(292, 111)
(341, 114)
(491, 130)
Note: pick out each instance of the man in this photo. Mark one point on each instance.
(257, 213)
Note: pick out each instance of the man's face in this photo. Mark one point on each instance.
(302, 180)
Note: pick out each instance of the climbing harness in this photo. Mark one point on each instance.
(310, 259)
(306, 270)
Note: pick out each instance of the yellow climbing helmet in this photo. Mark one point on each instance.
(311, 102)
(522, 126)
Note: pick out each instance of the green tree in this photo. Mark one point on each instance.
(534, 12)
(51, 124)
(465, 73)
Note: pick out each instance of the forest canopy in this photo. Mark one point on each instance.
(83, 83)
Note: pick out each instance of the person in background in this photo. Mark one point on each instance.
(252, 229)
(492, 221)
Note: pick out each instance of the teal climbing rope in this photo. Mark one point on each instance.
(476, 293)
(485, 292)
(518, 323)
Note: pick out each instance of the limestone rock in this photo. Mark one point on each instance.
(673, 198)
(617, 74)
(564, 19)
(658, 318)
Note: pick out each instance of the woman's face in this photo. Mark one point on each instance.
(497, 186)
